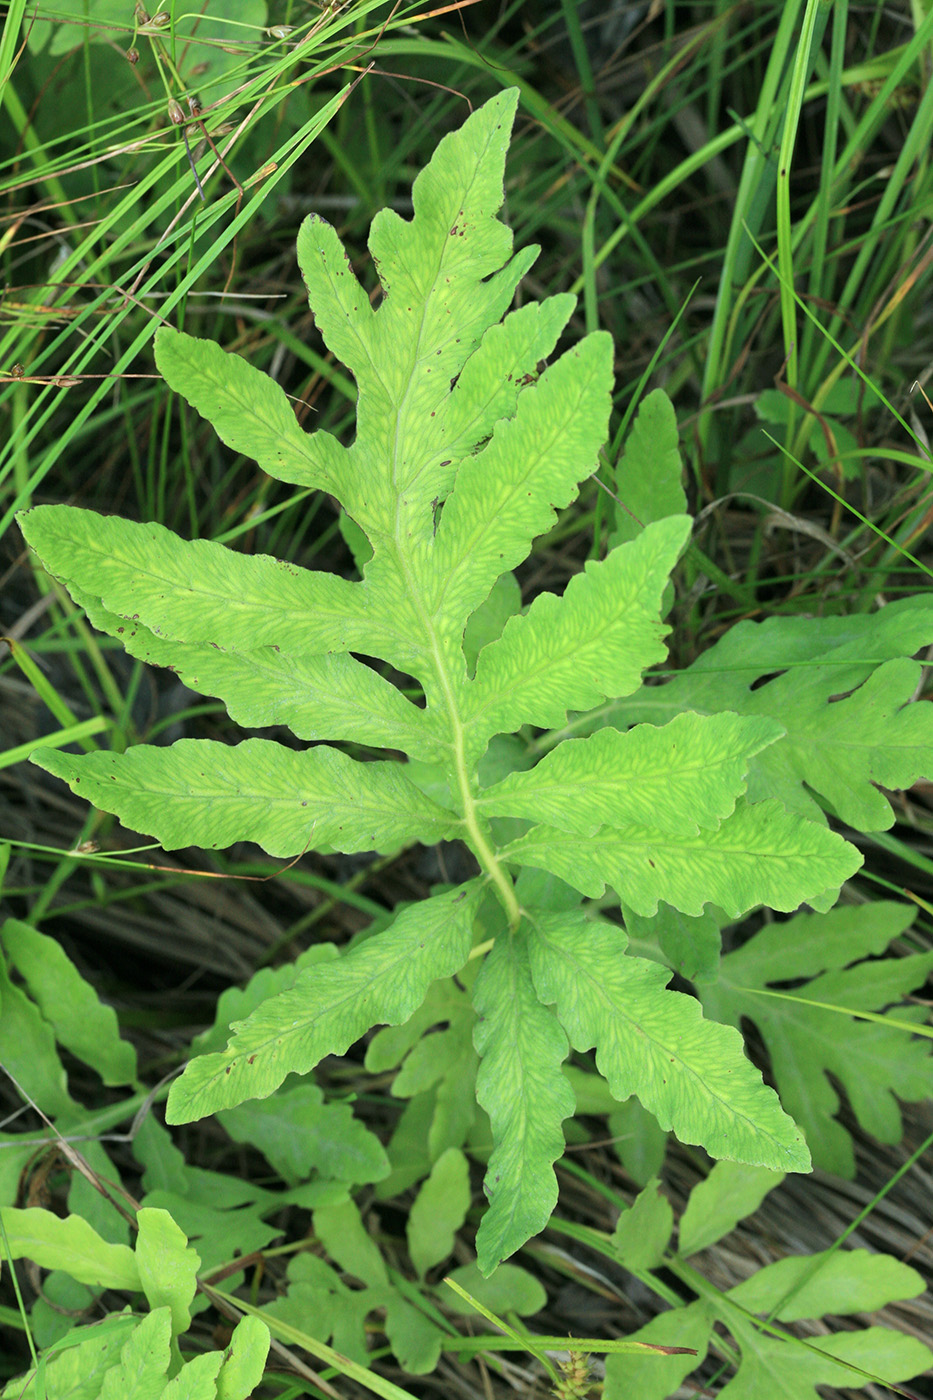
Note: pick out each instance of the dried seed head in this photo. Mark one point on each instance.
(140, 13)
(132, 56)
(194, 104)
(280, 31)
(175, 112)
(160, 20)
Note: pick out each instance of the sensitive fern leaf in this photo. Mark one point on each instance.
(760, 854)
(771, 1360)
(385, 979)
(840, 686)
(215, 794)
(468, 442)
(679, 778)
(692, 1074)
(873, 1061)
(521, 1087)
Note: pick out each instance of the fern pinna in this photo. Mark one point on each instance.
(464, 450)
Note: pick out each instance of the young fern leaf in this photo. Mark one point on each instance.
(464, 451)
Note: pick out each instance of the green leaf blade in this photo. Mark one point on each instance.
(676, 779)
(447, 277)
(326, 696)
(760, 855)
(244, 1360)
(298, 1133)
(83, 1024)
(846, 730)
(200, 792)
(658, 1377)
(643, 1233)
(692, 1074)
(249, 411)
(168, 1266)
(807, 1044)
(506, 359)
(731, 1191)
(649, 475)
(521, 1086)
(438, 1211)
(837, 1281)
(841, 1360)
(507, 494)
(197, 590)
(70, 1244)
(573, 652)
(845, 748)
(330, 1006)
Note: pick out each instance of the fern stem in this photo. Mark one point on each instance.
(487, 859)
(476, 836)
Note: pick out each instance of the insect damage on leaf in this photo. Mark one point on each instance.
(471, 435)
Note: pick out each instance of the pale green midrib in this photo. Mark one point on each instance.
(474, 835)
(212, 797)
(606, 788)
